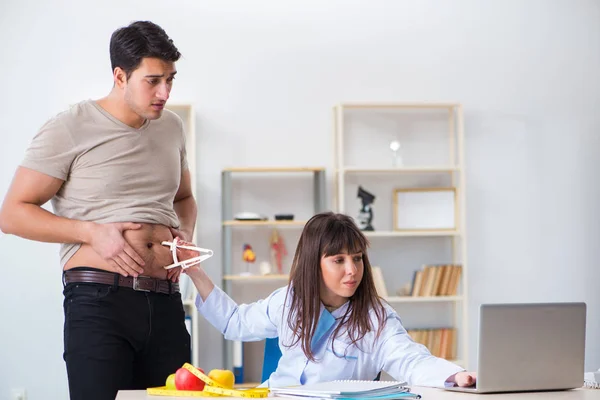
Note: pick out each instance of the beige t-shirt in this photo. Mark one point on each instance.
(112, 172)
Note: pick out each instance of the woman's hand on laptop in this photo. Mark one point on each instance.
(463, 379)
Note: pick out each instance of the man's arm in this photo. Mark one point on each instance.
(185, 207)
(22, 215)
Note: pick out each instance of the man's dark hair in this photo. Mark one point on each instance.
(141, 39)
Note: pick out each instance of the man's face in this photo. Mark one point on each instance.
(147, 89)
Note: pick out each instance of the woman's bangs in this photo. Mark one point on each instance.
(340, 238)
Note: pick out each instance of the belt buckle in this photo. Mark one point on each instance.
(136, 283)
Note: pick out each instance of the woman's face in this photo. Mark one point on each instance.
(342, 274)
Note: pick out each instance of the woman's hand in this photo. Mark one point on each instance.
(173, 275)
(464, 379)
(182, 255)
(185, 254)
(202, 282)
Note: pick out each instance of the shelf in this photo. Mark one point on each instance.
(246, 385)
(403, 170)
(411, 233)
(256, 278)
(399, 105)
(263, 223)
(274, 169)
(422, 299)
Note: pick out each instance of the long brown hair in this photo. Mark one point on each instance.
(328, 234)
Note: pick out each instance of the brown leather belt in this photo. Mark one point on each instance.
(141, 283)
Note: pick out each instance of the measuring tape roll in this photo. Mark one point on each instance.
(212, 388)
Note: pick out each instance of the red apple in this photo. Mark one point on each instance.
(185, 380)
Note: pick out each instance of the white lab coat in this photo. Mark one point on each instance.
(393, 352)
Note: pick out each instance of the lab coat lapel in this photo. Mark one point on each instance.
(326, 321)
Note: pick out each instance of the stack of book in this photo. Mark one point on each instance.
(349, 389)
(436, 280)
(440, 342)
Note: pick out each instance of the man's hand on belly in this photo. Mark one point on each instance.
(107, 240)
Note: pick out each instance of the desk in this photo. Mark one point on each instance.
(426, 393)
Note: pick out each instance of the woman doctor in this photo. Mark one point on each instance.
(329, 320)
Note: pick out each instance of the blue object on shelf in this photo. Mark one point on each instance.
(238, 361)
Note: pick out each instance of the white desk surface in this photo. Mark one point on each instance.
(426, 394)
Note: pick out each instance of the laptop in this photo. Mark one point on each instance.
(530, 347)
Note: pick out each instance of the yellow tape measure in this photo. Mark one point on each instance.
(212, 388)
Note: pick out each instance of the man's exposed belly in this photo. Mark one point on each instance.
(146, 241)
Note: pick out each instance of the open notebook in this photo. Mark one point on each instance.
(591, 380)
(344, 389)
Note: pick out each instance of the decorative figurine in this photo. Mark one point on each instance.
(404, 290)
(278, 250)
(249, 257)
(365, 215)
(265, 268)
(397, 160)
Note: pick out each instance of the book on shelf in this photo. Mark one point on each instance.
(379, 282)
(440, 342)
(436, 280)
(238, 361)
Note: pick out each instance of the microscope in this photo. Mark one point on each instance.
(365, 215)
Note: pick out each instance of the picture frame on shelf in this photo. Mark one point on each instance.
(425, 209)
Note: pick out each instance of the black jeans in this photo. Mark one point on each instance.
(117, 338)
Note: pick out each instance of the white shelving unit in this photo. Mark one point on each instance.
(231, 277)
(432, 153)
(187, 115)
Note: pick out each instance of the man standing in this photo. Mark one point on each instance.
(116, 172)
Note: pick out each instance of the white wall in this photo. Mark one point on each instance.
(264, 75)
